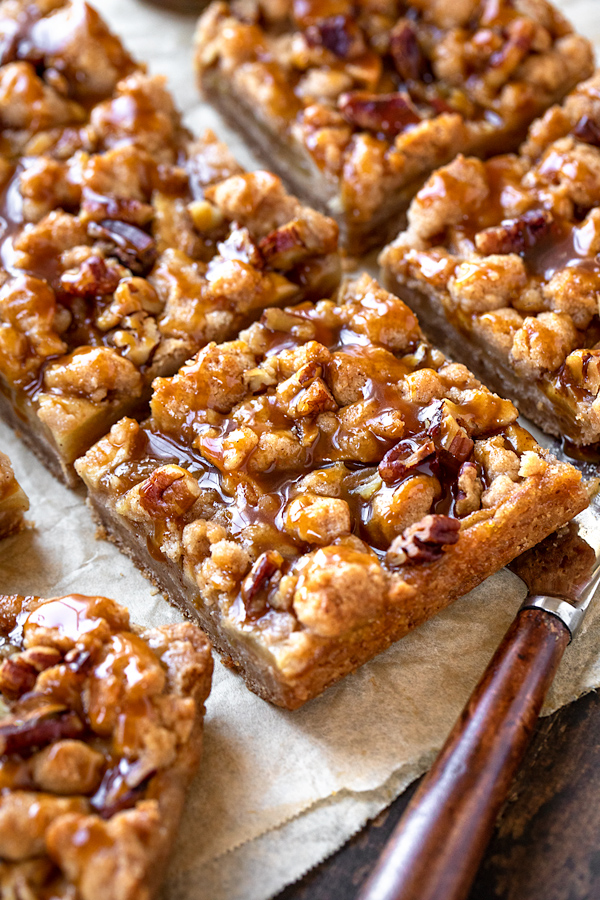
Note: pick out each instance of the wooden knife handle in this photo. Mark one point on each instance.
(436, 848)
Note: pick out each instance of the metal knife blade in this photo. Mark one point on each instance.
(562, 573)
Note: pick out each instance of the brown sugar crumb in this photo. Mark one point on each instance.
(126, 244)
(502, 257)
(317, 487)
(100, 736)
(355, 104)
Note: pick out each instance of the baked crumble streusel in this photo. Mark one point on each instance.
(323, 484)
(500, 261)
(100, 736)
(354, 104)
(125, 245)
(13, 500)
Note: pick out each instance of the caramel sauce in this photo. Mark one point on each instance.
(567, 246)
(69, 615)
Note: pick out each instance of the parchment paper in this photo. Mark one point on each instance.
(279, 791)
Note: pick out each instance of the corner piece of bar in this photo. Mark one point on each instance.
(13, 500)
(315, 489)
(100, 736)
(354, 104)
(125, 244)
(501, 263)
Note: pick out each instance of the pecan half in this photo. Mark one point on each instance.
(587, 130)
(425, 540)
(338, 34)
(403, 456)
(169, 491)
(266, 566)
(93, 278)
(128, 243)
(386, 114)
(409, 60)
(515, 235)
(37, 726)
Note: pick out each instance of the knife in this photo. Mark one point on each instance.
(437, 846)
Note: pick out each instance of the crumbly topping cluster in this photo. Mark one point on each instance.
(512, 247)
(13, 500)
(379, 92)
(297, 474)
(94, 720)
(124, 244)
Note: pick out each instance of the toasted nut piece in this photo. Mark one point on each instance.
(404, 456)
(262, 572)
(169, 491)
(42, 724)
(387, 114)
(515, 235)
(470, 489)
(425, 540)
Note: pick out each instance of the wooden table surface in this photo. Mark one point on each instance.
(546, 845)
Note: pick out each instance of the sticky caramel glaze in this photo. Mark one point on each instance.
(249, 498)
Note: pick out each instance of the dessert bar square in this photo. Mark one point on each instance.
(125, 245)
(13, 500)
(500, 262)
(354, 104)
(100, 736)
(323, 484)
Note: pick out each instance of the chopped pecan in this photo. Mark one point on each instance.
(284, 247)
(338, 34)
(405, 455)
(588, 131)
(425, 540)
(18, 673)
(17, 677)
(43, 723)
(408, 57)
(515, 235)
(470, 489)
(128, 243)
(124, 209)
(117, 792)
(93, 278)
(449, 437)
(169, 491)
(266, 566)
(387, 114)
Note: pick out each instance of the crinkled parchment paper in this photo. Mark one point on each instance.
(279, 791)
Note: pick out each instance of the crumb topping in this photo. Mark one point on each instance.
(299, 473)
(512, 246)
(125, 244)
(379, 92)
(95, 718)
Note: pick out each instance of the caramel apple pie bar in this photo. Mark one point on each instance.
(354, 104)
(100, 736)
(13, 500)
(125, 245)
(318, 487)
(501, 263)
